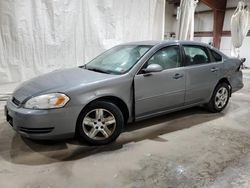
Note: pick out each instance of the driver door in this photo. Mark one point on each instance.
(158, 92)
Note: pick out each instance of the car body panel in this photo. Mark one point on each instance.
(152, 91)
(144, 96)
(32, 123)
(58, 81)
(200, 82)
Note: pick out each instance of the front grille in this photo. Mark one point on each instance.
(36, 130)
(15, 101)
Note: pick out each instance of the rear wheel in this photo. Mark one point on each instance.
(100, 123)
(220, 98)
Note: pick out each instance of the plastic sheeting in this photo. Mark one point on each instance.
(239, 27)
(185, 17)
(38, 36)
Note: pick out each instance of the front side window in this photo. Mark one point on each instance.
(195, 55)
(118, 60)
(167, 58)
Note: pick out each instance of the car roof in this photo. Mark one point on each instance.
(163, 42)
(171, 42)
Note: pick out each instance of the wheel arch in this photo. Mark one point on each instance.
(113, 99)
(225, 80)
(210, 105)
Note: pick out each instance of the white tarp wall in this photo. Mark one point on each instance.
(239, 26)
(38, 36)
(185, 17)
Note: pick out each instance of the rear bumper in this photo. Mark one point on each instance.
(238, 87)
(236, 81)
(42, 124)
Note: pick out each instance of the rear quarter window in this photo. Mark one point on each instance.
(216, 57)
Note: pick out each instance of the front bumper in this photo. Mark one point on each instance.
(42, 124)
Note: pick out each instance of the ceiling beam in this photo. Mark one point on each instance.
(218, 27)
(219, 8)
(218, 5)
(208, 11)
(210, 33)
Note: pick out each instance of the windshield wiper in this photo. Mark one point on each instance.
(98, 70)
(82, 66)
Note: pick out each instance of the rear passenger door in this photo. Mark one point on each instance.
(201, 73)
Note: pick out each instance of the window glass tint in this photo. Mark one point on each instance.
(195, 55)
(168, 57)
(217, 57)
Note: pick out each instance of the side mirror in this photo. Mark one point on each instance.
(153, 68)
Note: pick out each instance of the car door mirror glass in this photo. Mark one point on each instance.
(153, 68)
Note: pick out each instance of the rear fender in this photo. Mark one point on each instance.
(233, 73)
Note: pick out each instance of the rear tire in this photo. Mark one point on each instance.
(100, 123)
(220, 98)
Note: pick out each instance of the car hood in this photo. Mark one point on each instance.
(58, 81)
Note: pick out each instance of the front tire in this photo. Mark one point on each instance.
(100, 123)
(220, 98)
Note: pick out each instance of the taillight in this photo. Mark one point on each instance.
(240, 64)
(242, 61)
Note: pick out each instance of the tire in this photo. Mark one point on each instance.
(220, 98)
(99, 123)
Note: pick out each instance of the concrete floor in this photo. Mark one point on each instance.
(191, 148)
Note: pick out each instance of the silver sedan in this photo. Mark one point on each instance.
(127, 83)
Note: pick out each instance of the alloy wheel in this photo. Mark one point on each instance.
(221, 97)
(99, 124)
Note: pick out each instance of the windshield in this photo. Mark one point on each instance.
(118, 60)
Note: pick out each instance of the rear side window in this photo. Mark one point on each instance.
(217, 57)
(195, 55)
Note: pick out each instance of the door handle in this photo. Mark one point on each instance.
(214, 69)
(177, 76)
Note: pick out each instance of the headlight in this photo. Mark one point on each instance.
(47, 101)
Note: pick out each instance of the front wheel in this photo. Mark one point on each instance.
(100, 123)
(220, 98)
